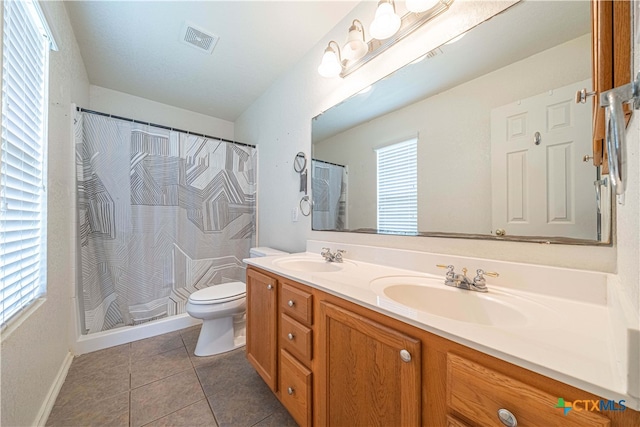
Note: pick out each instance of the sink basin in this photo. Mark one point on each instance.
(432, 296)
(308, 265)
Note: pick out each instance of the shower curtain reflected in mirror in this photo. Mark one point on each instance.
(329, 186)
(161, 214)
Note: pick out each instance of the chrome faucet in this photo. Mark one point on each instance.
(332, 257)
(461, 281)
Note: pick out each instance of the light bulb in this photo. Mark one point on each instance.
(386, 23)
(417, 6)
(330, 65)
(355, 47)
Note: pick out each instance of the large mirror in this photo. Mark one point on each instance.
(482, 137)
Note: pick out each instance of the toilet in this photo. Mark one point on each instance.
(222, 309)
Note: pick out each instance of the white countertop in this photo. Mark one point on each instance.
(575, 340)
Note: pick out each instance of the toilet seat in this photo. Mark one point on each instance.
(219, 294)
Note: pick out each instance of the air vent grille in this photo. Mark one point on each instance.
(198, 38)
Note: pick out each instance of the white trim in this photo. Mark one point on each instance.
(47, 405)
(394, 141)
(126, 334)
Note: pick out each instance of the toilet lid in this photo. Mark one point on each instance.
(219, 293)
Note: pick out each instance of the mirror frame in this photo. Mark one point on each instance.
(612, 66)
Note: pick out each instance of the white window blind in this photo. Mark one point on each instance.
(25, 55)
(398, 188)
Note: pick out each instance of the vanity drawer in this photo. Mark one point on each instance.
(296, 338)
(296, 303)
(295, 388)
(477, 393)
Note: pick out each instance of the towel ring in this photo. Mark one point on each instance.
(305, 206)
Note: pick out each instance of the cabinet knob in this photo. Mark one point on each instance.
(291, 336)
(291, 303)
(405, 355)
(290, 390)
(269, 287)
(507, 418)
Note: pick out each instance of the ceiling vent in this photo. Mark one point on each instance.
(198, 38)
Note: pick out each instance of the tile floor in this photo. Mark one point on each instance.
(160, 382)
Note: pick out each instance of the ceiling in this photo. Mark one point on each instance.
(134, 47)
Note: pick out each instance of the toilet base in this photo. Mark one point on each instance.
(217, 336)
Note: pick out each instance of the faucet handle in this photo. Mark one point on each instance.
(450, 273)
(479, 280)
(481, 272)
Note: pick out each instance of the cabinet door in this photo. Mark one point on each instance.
(262, 320)
(363, 379)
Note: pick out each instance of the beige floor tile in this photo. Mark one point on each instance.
(100, 360)
(280, 418)
(158, 399)
(94, 386)
(149, 369)
(155, 345)
(236, 393)
(112, 412)
(197, 415)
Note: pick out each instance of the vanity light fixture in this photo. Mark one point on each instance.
(355, 47)
(386, 30)
(386, 22)
(331, 64)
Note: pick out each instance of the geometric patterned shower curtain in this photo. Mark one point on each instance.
(161, 215)
(329, 186)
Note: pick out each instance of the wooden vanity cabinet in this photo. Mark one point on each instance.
(368, 373)
(262, 325)
(344, 366)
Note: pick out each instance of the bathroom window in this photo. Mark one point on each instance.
(398, 188)
(26, 41)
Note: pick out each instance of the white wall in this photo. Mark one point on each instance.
(35, 346)
(280, 123)
(122, 104)
(444, 144)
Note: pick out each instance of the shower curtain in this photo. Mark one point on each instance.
(161, 214)
(329, 186)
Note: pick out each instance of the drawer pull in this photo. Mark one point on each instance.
(291, 336)
(269, 287)
(507, 418)
(291, 303)
(405, 355)
(290, 390)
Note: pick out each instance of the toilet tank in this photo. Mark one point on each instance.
(265, 251)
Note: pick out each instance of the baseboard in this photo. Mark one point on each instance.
(47, 405)
(111, 338)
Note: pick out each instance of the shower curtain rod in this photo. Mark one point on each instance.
(328, 163)
(84, 110)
